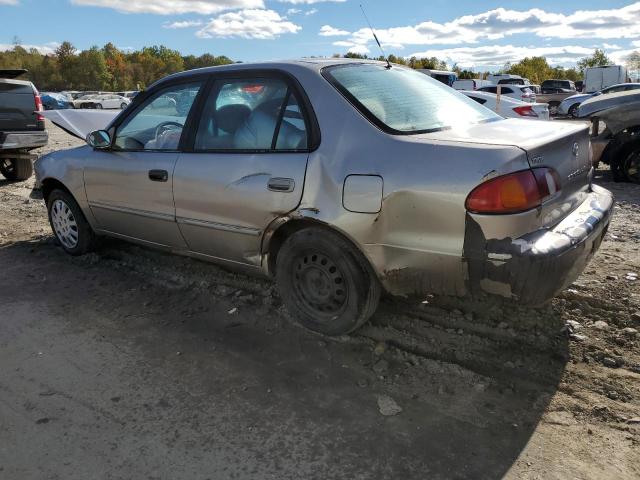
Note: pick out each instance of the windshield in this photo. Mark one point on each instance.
(404, 101)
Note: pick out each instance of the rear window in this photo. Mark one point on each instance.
(403, 101)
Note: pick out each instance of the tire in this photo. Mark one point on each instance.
(325, 283)
(98, 106)
(69, 224)
(16, 169)
(553, 108)
(123, 106)
(630, 164)
(573, 110)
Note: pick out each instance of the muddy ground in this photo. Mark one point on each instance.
(131, 363)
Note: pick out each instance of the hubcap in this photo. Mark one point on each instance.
(320, 285)
(64, 224)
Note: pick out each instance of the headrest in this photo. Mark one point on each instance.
(230, 117)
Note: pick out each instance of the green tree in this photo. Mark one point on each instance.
(598, 59)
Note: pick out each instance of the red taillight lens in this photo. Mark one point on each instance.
(525, 111)
(513, 193)
(39, 108)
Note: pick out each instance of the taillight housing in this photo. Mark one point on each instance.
(515, 192)
(39, 107)
(525, 111)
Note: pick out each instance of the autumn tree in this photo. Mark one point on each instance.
(598, 59)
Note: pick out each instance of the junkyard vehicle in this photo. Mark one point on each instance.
(599, 78)
(55, 101)
(569, 106)
(21, 125)
(518, 92)
(510, 107)
(103, 101)
(339, 178)
(615, 130)
(554, 92)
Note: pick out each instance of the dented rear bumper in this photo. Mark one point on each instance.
(533, 268)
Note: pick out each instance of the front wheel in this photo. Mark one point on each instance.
(573, 110)
(98, 106)
(69, 224)
(123, 106)
(16, 169)
(325, 283)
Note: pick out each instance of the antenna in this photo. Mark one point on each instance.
(375, 37)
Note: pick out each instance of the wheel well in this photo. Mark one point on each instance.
(51, 184)
(292, 226)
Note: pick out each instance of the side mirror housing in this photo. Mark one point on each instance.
(99, 139)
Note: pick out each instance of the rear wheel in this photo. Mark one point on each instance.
(553, 108)
(69, 224)
(98, 106)
(123, 106)
(325, 283)
(573, 110)
(631, 165)
(16, 169)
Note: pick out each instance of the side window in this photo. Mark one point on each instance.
(506, 90)
(158, 123)
(251, 114)
(481, 101)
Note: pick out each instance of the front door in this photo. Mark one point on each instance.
(130, 186)
(247, 167)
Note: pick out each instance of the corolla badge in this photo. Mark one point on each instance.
(575, 149)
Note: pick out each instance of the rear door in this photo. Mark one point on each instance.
(247, 165)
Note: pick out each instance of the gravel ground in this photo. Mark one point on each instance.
(131, 363)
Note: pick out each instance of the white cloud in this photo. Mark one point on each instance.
(311, 11)
(498, 55)
(171, 7)
(360, 49)
(329, 31)
(293, 11)
(8, 2)
(255, 24)
(46, 49)
(621, 23)
(183, 24)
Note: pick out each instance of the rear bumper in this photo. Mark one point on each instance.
(534, 268)
(22, 140)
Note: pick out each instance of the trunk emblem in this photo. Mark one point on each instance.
(575, 149)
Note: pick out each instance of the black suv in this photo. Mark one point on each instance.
(21, 126)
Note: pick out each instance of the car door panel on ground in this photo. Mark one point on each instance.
(248, 168)
(130, 187)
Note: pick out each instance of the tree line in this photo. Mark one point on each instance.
(105, 69)
(112, 69)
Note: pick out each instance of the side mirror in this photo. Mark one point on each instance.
(99, 139)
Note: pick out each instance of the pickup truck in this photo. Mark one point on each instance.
(553, 92)
(22, 127)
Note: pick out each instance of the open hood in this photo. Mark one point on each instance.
(80, 123)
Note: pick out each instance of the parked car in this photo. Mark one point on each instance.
(128, 94)
(443, 76)
(339, 178)
(510, 107)
(102, 101)
(22, 125)
(468, 84)
(519, 92)
(569, 106)
(507, 79)
(55, 101)
(615, 131)
(554, 92)
(599, 78)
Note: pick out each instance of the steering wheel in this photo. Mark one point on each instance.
(160, 129)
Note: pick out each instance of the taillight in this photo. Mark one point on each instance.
(39, 108)
(525, 111)
(515, 192)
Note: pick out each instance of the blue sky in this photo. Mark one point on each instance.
(472, 33)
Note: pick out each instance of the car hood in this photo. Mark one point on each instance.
(80, 123)
(611, 100)
(514, 132)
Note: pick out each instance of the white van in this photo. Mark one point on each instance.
(472, 84)
(597, 78)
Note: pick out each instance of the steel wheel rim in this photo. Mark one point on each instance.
(64, 224)
(8, 166)
(320, 285)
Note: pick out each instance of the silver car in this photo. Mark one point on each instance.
(340, 179)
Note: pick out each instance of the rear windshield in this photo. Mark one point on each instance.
(404, 101)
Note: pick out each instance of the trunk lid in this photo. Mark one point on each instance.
(563, 146)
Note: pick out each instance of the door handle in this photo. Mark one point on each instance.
(279, 184)
(158, 175)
